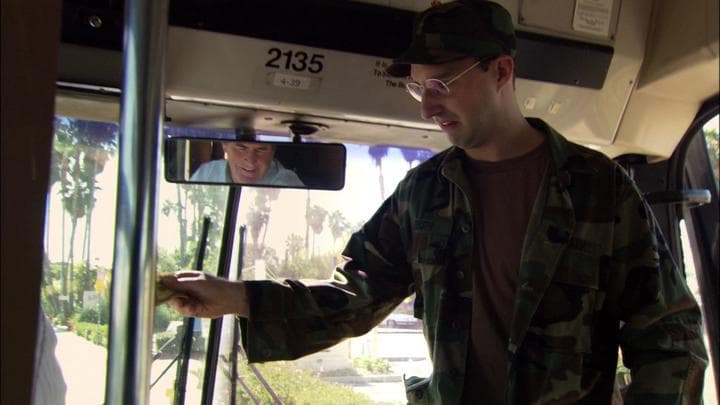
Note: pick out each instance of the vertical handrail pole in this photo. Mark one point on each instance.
(132, 309)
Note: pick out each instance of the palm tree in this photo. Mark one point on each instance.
(270, 195)
(338, 225)
(178, 207)
(95, 160)
(412, 154)
(307, 221)
(207, 201)
(202, 201)
(293, 246)
(80, 151)
(378, 153)
(256, 219)
(315, 218)
(259, 216)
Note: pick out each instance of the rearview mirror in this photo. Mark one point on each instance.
(319, 166)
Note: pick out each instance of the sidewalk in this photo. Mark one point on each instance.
(84, 367)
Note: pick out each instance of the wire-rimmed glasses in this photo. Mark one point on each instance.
(435, 87)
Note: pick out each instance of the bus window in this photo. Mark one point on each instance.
(79, 235)
(710, 132)
(289, 233)
(711, 139)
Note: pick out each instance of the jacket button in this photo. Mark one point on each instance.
(460, 275)
(465, 228)
(455, 325)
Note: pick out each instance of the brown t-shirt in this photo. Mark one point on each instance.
(502, 197)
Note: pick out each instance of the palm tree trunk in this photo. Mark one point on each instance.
(47, 226)
(88, 218)
(262, 242)
(86, 243)
(182, 221)
(71, 260)
(307, 222)
(312, 251)
(63, 262)
(88, 233)
(382, 182)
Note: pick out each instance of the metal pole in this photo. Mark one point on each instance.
(213, 346)
(133, 279)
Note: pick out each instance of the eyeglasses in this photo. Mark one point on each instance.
(435, 87)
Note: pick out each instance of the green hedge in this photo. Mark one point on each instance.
(295, 386)
(373, 365)
(93, 332)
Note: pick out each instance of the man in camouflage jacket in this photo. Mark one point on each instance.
(594, 272)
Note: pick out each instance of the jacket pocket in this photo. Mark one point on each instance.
(564, 319)
(543, 376)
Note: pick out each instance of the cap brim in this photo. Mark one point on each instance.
(419, 55)
(398, 69)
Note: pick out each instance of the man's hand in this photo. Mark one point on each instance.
(202, 295)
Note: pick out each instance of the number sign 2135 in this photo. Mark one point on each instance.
(298, 61)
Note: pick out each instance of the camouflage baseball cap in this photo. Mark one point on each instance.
(456, 30)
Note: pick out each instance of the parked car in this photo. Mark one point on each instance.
(168, 342)
(396, 320)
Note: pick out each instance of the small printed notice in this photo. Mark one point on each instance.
(593, 16)
(388, 81)
(291, 81)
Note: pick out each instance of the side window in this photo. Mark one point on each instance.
(709, 393)
(79, 242)
(710, 133)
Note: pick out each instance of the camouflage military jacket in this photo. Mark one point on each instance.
(594, 274)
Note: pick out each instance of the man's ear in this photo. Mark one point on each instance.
(505, 68)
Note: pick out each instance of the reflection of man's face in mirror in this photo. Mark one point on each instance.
(248, 161)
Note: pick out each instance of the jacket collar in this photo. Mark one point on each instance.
(561, 151)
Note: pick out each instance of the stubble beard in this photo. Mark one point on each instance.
(466, 140)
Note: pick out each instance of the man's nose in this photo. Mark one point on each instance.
(429, 106)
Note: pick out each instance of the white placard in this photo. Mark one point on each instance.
(593, 16)
(291, 81)
(91, 299)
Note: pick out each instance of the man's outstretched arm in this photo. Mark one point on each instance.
(198, 294)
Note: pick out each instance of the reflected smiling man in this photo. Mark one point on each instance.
(247, 163)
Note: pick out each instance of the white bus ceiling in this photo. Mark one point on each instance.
(664, 64)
